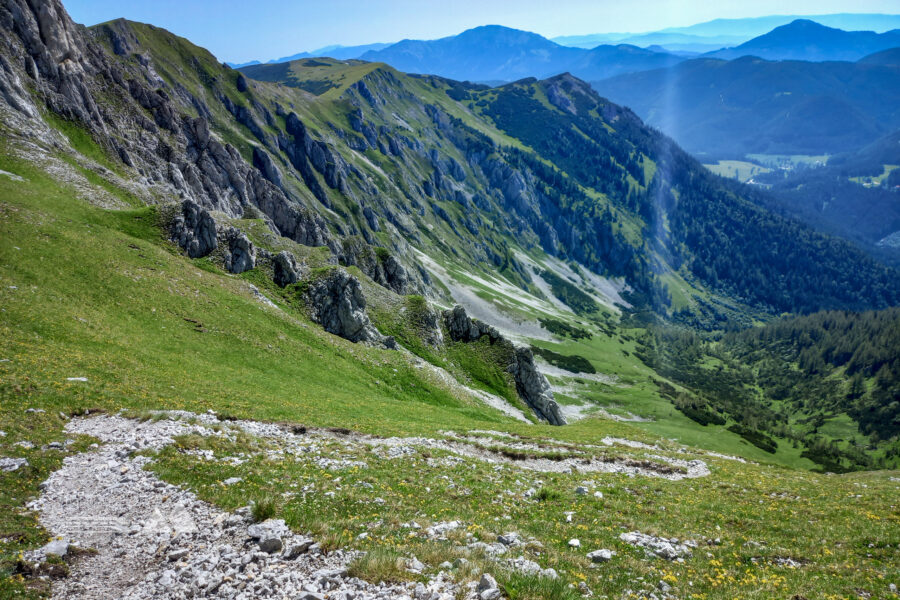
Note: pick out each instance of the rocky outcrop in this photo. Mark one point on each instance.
(336, 302)
(266, 166)
(241, 256)
(284, 269)
(462, 328)
(378, 264)
(531, 384)
(194, 230)
(534, 388)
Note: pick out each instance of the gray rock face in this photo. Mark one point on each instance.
(534, 388)
(264, 162)
(337, 303)
(285, 269)
(194, 230)
(464, 329)
(241, 255)
(381, 266)
(531, 384)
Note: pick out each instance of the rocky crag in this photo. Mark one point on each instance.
(531, 385)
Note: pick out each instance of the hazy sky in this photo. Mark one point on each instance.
(238, 30)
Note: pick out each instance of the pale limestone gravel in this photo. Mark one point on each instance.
(155, 540)
(492, 400)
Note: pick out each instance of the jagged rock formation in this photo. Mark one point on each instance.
(378, 263)
(241, 255)
(79, 74)
(531, 384)
(284, 269)
(378, 160)
(534, 388)
(336, 302)
(194, 229)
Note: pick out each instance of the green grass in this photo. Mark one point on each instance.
(737, 169)
(81, 140)
(88, 292)
(757, 512)
(872, 181)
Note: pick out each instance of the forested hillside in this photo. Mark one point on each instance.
(828, 380)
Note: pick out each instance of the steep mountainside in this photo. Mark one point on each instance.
(804, 39)
(889, 57)
(495, 53)
(313, 334)
(748, 105)
(543, 207)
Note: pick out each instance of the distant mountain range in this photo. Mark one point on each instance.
(336, 51)
(719, 33)
(803, 39)
(493, 52)
(726, 109)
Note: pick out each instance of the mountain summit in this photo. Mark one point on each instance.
(804, 39)
(497, 53)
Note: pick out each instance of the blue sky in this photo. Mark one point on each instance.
(238, 31)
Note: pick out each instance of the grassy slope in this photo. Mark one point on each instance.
(99, 294)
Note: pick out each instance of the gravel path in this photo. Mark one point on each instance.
(155, 540)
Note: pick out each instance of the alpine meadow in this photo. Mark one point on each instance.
(493, 315)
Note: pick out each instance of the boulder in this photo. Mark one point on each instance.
(487, 582)
(600, 556)
(241, 256)
(56, 547)
(336, 302)
(8, 465)
(194, 230)
(297, 546)
(285, 269)
(509, 539)
(268, 534)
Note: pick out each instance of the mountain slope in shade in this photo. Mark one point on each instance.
(495, 53)
(749, 105)
(807, 40)
(890, 56)
(856, 195)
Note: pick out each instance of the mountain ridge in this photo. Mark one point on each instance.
(750, 105)
(494, 52)
(804, 39)
(226, 301)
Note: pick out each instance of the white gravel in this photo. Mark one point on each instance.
(155, 540)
